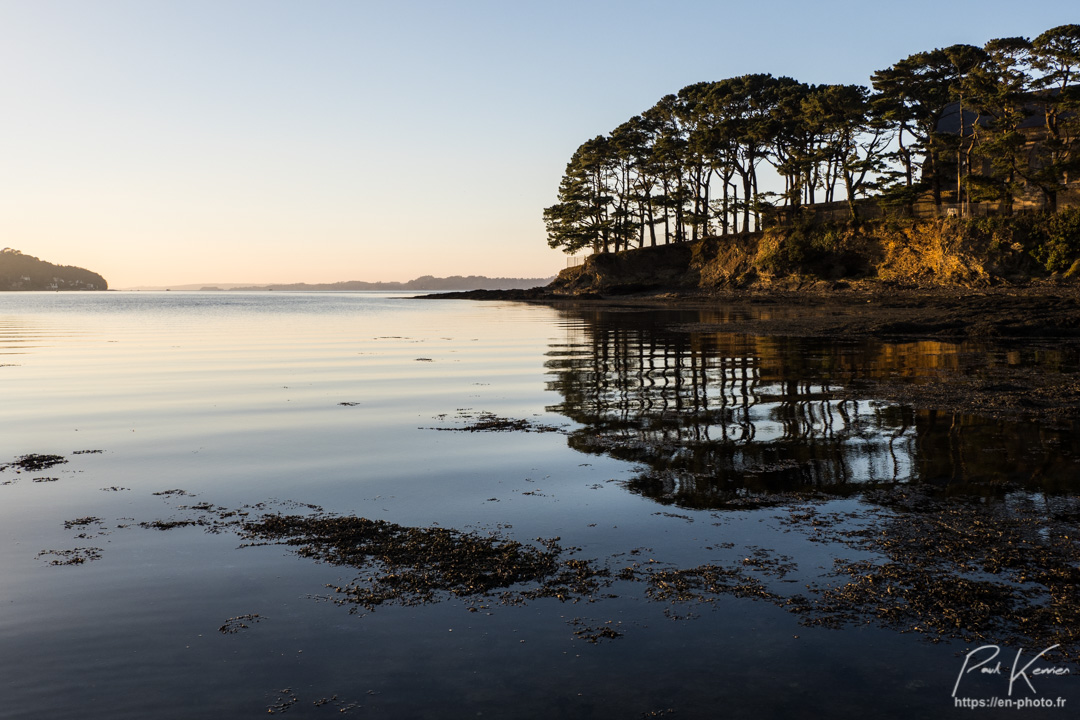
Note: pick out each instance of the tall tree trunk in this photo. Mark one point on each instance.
(667, 205)
(680, 219)
(705, 204)
(935, 177)
(905, 156)
(680, 228)
(757, 210)
(849, 188)
(641, 227)
(735, 206)
(695, 221)
(652, 219)
(747, 191)
(724, 209)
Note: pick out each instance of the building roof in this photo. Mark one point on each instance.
(949, 121)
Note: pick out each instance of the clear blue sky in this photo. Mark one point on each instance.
(178, 141)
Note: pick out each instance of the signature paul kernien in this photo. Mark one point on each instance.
(1016, 672)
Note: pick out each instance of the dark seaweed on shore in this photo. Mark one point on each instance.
(408, 565)
(74, 556)
(969, 569)
(235, 624)
(957, 568)
(171, 524)
(490, 422)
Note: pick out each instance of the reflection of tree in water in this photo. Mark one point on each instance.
(718, 418)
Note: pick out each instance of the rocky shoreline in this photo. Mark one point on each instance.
(1043, 311)
(1042, 316)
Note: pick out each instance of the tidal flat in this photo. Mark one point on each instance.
(323, 504)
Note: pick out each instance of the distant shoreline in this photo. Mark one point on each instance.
(424, 283)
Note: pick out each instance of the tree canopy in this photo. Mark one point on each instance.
(954, 123)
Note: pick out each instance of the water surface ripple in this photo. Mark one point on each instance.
(228, 504)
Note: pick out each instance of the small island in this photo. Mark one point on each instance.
(26, 272)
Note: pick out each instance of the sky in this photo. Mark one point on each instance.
(165, 142)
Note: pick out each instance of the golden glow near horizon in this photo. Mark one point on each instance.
(267, 141)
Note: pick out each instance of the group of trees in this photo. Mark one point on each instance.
(954, 123)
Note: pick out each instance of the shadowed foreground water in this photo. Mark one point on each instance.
(220, 505)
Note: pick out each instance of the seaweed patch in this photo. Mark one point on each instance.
(407, 565)
(81, 522)
(235, 624)
(74, 556)
(171, 524)
(911, 560)
(490, 422)
(34, 463)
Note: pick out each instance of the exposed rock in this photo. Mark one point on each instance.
(923, 254)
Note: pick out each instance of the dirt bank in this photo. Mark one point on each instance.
(945, 253)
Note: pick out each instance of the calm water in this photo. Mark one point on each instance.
(674, 450)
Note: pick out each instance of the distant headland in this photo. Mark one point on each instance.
(26, 272)
(425, 282)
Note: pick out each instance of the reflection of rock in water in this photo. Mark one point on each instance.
(717, 419)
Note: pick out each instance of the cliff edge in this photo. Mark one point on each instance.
(971, 253)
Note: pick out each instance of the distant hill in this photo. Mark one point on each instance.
(426, 282)
(26, 272)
